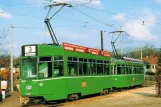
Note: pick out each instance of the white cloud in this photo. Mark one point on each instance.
(140, 29)
(4, 14)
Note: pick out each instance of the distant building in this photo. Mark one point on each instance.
(150, 64)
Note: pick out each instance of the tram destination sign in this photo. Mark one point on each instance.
(30, 51)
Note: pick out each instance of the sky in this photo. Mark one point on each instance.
(81, 24)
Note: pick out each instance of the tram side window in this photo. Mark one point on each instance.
(80, 68)
(130, 69)
(127, 69)
(93, 65)
(115, 69)
(99, 67)
(58, 66)
(72, 66)
(137, 70)
(123, 69)
(118, 69)
(134, 70)
(85, 71)
(45, 67)
(89, 66)
(106, 68)
(142, 70)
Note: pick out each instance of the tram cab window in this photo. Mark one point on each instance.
(45, 67)
(58, 66)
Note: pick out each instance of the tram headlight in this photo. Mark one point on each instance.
(28, 87)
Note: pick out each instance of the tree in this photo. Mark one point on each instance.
(148, 50)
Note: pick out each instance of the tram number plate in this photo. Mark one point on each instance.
(30, 50)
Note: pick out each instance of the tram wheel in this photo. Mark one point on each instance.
(105, 92)
(72, 97)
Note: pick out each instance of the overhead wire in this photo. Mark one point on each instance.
(39, 17)
(3, 37)
(83, 5)
(134, 18)
(109, 25)
(8, 5)
(26, 27)
(45, 34)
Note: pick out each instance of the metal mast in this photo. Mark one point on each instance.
(47, 19)
(11, 60)
(101, 40)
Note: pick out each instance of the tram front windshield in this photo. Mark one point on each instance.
(28, 68)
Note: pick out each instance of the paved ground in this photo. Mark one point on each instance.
(12, 100)
(140, 97)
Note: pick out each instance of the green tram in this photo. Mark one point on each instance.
(54, 72)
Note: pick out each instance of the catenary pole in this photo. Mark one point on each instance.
(11, 55)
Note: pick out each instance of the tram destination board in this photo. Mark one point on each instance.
(29, 50)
